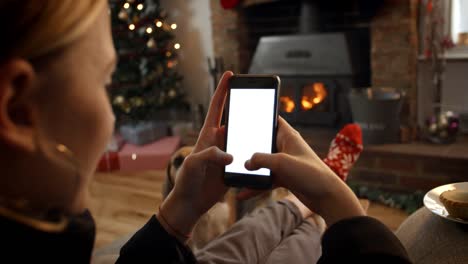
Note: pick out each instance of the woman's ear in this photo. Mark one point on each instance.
(17, 83)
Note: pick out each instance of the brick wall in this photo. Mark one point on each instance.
(394, 50)
(227, 31)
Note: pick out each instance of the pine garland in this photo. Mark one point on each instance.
(409, 202)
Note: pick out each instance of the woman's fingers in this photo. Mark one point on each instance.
(289, 140)
(285, 131)
(212, 155)
(211, 137)
(285, 125)
(215, 112)
(221, 137)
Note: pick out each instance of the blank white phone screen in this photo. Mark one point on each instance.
(250, 127)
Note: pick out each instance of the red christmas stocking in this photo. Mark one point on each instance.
(344, 150)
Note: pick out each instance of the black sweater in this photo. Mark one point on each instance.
(355, 240)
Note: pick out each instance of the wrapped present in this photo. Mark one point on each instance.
(144, 132)
(160, 130)
(109, 162)
(115, 143)
(154, 156)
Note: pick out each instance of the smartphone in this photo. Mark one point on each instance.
(251, 117)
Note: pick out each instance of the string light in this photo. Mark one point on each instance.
(174, 26)
(140, 7)
(159, 24)
(126, 5)
(177, 46)
(149, 30)
(131, 26)
(168, 54)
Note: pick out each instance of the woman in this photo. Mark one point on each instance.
(55, 120)
(56, 61)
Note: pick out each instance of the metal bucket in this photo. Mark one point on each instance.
(377, 111)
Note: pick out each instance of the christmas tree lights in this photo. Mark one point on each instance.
(146, 80)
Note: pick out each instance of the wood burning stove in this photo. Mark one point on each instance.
(317, 72)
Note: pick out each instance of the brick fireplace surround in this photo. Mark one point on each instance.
(394, 56)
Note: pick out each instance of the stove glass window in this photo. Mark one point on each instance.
(314, 97)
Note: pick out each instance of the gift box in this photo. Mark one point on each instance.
(153, 156)
(109, 162)
(116, 143)
(144, 132)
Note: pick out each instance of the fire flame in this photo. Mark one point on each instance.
(287, 104)
(313, 95)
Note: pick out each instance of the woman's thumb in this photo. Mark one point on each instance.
(263, 160)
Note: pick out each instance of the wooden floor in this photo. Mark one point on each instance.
(122, 202)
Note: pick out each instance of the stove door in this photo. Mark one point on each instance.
(308, 101)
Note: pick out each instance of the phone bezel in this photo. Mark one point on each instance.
(246, 81)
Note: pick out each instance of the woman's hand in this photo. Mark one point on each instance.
(199, 184)
(297, 168)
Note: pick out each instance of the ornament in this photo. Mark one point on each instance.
(159, 69)
(162, 98)
(229, 4)
(151, 43)
(136, 101)
(166, 27)
(123, 15)
(119, 100)
(172, 93)
(126, 108)
(442, 128)
(429, 6)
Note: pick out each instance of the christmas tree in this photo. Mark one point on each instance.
(146, 80)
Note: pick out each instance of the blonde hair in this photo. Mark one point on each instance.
(34, 28)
